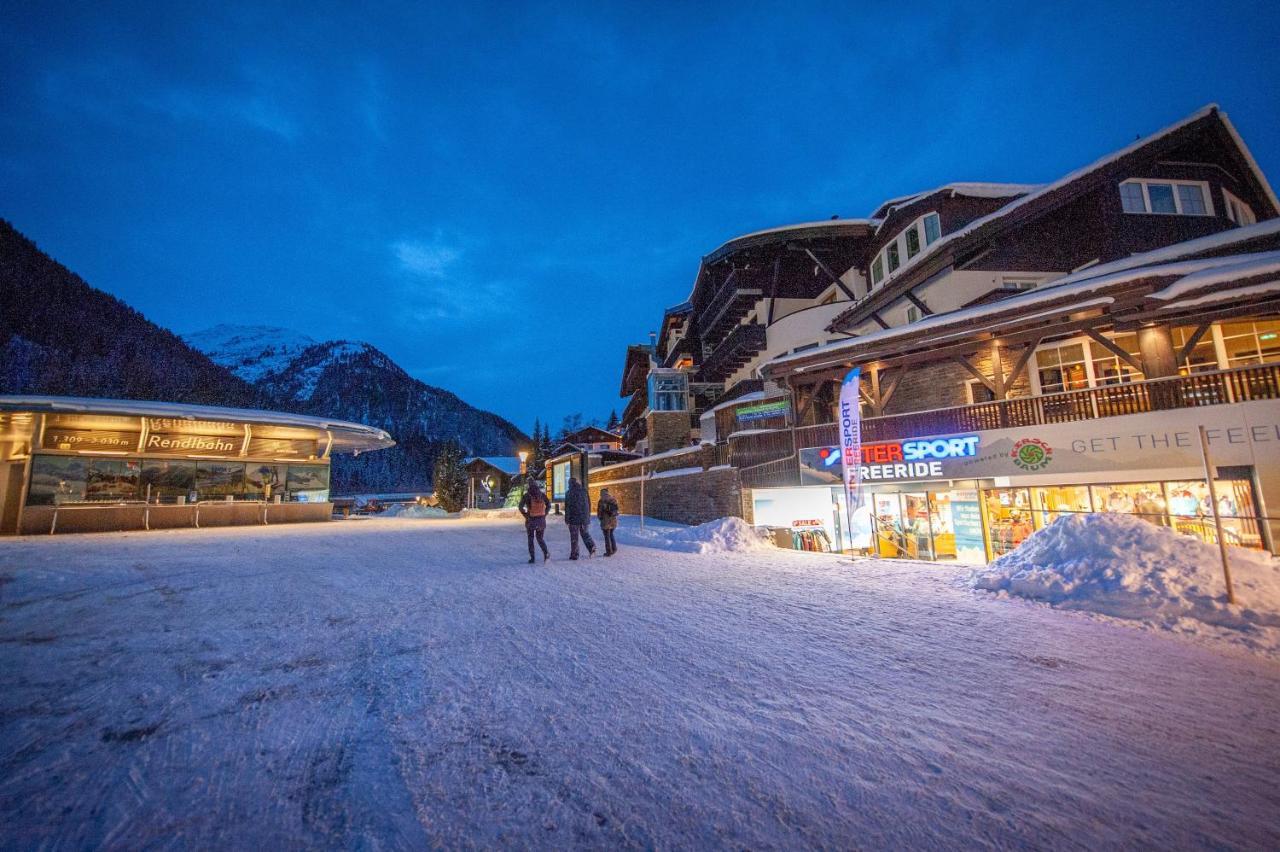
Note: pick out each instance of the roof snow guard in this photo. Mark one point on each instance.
(347, 437)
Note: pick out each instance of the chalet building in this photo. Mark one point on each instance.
(1026, 351)
(593, 438)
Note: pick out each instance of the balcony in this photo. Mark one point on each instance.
(726, 310)
(770, 460)
(685, 346)
(741, 345)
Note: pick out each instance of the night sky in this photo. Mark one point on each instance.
(502, 197)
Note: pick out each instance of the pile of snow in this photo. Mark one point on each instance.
(1125, 567)
(725, 535)
(413, 510)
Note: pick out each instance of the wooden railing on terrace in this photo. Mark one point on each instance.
(764, 458)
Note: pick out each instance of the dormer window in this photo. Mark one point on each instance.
(1166, 198)
(905, 247)
(1237, 210)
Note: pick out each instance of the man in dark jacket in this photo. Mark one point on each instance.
(607, 512)
(577, 514)
(533, 505)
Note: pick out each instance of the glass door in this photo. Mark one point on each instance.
(887, 517)
(916, 529)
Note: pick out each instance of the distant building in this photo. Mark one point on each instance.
(489, 479)
(73, 464)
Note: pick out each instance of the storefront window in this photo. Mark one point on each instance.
(308, 483)
(1144, 499)
(113, 479)
(265, 481)
(1062, 368)
(167, 481)
(219, 480)
(1052, 502)
(1008, 518)
(57, 479)
(1191, 510)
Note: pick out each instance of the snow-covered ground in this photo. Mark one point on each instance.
(403, 683)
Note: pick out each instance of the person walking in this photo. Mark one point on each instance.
(533, 505)
(607, 512)
(577, 514)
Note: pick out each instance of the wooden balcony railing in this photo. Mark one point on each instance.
(760, 452)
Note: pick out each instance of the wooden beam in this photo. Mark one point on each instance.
(879, 320)
(913, 299)
(997, 369)
(773, 288)
(886, 393)
(1190, 345)
(977, 374)
(835, 279)
(873, 373)
(1108, 344)
(1021, 363)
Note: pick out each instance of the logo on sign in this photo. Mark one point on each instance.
(1032, 454)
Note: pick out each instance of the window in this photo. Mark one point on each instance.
(265, 481)
(913, 313)
(668, 390)
(891, 257)
(1111, 369)
(978, 392)
(1250, 342)
(1062, 368)
(1237, 210)
(113, 479)
(219, 480)
(57, 479)
(166, 481)
(913, 241)
(1019, 283)
(1169, 198)
(932, 228)
(308, 483)
(877, 270)
(1202, 358)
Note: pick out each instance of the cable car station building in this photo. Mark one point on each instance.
(89, 465)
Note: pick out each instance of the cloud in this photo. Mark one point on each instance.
(429, 259)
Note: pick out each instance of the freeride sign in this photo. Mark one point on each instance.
(851, 442)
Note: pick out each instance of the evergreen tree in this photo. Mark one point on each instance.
(449, 477)
(614, 422)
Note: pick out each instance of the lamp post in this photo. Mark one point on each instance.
(524, 461)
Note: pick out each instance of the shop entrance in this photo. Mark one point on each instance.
(914, 525)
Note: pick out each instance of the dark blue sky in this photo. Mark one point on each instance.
(502, 197)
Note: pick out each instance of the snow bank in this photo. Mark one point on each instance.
(1125, 567)
(726, 535)
(413, 510)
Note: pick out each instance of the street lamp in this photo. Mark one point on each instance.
(524, 459)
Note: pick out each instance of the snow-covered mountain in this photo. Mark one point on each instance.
(356, 381)
(249, 351)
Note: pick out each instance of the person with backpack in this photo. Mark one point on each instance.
(577, 514)
(607, 512)
(533, 505)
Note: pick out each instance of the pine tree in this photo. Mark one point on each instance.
(614, 423)
(449, 477)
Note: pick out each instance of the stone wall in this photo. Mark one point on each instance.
(668, 430)
(685, 487)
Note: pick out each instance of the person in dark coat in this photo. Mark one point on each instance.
(607, 512)
(577, 514)
(534, 505)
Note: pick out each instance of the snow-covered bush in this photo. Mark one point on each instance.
(725, 535)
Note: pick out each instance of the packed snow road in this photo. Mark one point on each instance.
(399, 684)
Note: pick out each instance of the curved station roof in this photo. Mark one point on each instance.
(347, 437)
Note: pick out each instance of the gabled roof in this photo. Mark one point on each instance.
(592, 434)
(1050, 196)
(509, 465)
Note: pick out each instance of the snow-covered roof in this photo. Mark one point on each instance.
(1076, 289)
(507, 464)
(347, 436)
(963, 188)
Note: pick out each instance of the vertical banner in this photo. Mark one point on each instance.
(851, 442)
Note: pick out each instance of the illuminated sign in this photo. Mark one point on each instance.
(87, 439)
(763, 411)
(212, 445)
(916, 458)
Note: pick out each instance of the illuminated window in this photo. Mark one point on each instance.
(1062, 368)
(1111, 369)
(1202, 358)
(1251, 342)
